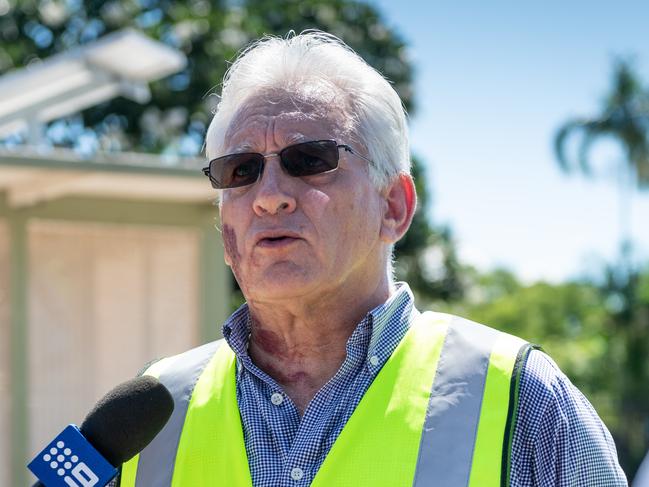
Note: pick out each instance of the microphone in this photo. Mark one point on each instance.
(120, 426)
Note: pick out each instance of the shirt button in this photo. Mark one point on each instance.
(374, 360)
(277, 399)
(297, 473)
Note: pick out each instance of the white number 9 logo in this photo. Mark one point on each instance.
(83, 475)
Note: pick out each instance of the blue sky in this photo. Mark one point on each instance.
(494, 80)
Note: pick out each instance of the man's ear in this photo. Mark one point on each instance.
(400, 205)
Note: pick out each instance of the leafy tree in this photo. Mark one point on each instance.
(209, 33)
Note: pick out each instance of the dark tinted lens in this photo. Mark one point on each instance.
(310, 158)
(235, 170)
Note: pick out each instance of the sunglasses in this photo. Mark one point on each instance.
(297, 160)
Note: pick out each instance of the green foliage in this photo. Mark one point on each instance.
(209, 33)
(178, 112)
(626, 296)
(568, 320)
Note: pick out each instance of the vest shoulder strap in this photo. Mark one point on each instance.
(472, 409)
(155, 464)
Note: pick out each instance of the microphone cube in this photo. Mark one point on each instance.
(71, 461)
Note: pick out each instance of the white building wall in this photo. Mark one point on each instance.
(103, 301)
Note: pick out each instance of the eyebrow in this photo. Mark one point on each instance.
(246, 147)
(296, 139)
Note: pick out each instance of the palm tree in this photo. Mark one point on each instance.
(625, 118)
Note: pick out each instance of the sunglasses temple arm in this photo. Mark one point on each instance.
(352, 151)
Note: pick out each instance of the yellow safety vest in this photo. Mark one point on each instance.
(440, 412)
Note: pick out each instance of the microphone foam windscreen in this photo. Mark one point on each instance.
(126, 419)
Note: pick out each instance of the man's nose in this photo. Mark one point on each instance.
(274, 190)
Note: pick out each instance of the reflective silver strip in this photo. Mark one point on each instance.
(156, 465)
(448, 437)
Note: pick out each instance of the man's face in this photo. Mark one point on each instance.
(287, 237)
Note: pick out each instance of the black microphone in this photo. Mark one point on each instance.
(120, 426)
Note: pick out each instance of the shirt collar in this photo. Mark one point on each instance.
(236, 331)
(392, 315)
(388, 322)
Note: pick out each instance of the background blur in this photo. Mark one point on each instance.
(530, 141)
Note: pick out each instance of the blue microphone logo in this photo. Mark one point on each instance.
(70, 460)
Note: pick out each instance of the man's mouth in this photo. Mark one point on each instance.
(276, 242)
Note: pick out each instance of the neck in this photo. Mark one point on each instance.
(301, 344)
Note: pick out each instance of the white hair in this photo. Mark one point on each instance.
(315, 62)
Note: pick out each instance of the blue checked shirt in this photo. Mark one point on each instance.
(558, 438)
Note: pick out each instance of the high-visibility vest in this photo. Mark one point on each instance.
(439, 413)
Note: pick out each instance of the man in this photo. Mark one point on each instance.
(328, 375)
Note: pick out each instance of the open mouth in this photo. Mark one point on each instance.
(276, 241)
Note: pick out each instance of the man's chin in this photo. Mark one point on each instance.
(280, 286)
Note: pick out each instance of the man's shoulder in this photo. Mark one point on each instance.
(549, 402)
(504, 352)
(546, 393)
(542, 380)
(558, 437)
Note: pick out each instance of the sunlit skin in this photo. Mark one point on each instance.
(323, 265)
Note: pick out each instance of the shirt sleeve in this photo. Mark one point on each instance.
(559, 440)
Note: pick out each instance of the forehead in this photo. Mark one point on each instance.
(273, 120)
